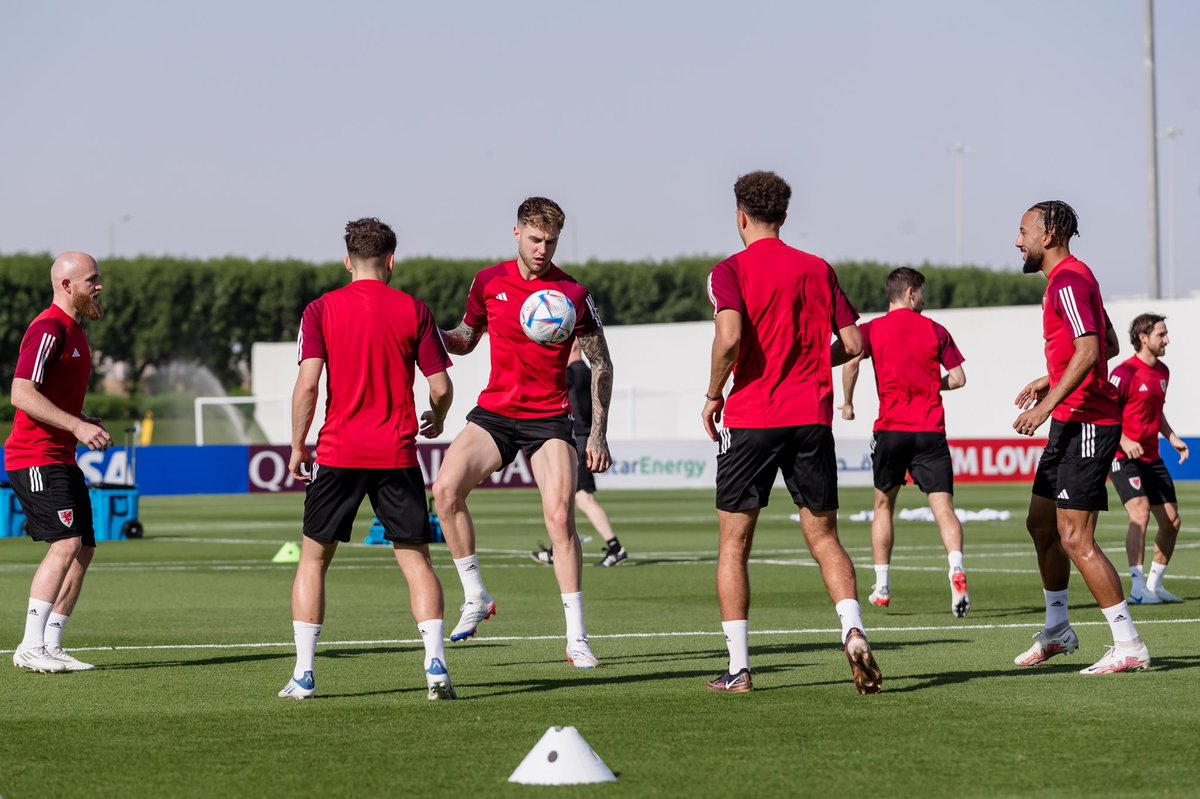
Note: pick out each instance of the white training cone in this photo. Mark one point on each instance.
(562, 757)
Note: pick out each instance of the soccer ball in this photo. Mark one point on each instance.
(548, 317)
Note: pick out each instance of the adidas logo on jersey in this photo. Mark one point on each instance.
(1143, 388)
(502, 297)
(76, 354)
(1063, 494)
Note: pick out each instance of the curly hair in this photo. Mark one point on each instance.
(1143, 325)
(541, 213)
(763, 196)
(1060, 219)
(369, 238)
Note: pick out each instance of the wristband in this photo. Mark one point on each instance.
(711, 398)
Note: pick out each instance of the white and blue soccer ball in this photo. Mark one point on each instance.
(548, 317)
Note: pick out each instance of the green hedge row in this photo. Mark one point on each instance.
(161, 310)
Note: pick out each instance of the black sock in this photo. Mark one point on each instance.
(614, 546)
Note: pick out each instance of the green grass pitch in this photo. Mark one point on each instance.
(191, 631)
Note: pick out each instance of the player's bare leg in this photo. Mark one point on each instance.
(1167, 516)
(554, 470)
(733, 598)
(837, 570)
(1138, 510)
(733, 553)
(53, 570)
(308, 589)
(68, 594)
(308, 614)
(595, 514)
(1056, 636)
(1077, 531)
(1053, 563)
(428, 607)
(942, 505)
(882, 538)
(472, 456)
(44, 590)
(555, 467)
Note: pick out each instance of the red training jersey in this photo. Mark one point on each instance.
(790, 303)
(1142, 391)
(55, 355)
(1072, 307)
(370, 336)
(528, 380)
(908, 352)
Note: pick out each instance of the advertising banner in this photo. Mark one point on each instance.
(267, 469)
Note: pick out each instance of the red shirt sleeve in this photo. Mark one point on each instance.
(587, 318)
(1072, 302)
(1120, 379)
(844, 313)
(40, 348)
(947, 350)
(311, 342)
(723, 290)
(865, 331)
(431, 351)
(476, 315)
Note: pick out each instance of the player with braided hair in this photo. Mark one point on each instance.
(1069, 487)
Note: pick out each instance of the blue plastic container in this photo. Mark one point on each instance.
(12, 517)
(115, 511)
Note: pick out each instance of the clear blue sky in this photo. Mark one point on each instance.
(259, 128)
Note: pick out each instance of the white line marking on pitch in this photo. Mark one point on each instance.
(520, 638)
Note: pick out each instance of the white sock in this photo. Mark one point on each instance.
(1154, 579)
(306, 636)
(1138, 580)
(431, 635)
(35, 623)
(737, 641)
(1056, 608)
(573, 610)
(881, 576)
(56, 625)
(1120, 623)
(850, 614)
(468, 575)
(955, 561)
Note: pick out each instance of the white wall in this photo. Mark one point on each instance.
(661, 374)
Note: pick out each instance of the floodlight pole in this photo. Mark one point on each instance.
(1152, 264)
(1172, 133)
(959, 151)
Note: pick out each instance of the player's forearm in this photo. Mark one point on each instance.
(461, 340)
(37, 406)
(441, 396)
(1078, 368)
(849, 378)
(596, 350)
(304, 403)
(954, 379)
(1164, 427)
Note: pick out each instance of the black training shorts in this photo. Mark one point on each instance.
(1134, 479)
(750, 459)
(925, 455)
(397, 496)
(56, 502)
(528, 435)
(1075, 464)
(586, 481)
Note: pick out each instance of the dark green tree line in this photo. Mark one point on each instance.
(210, 312)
